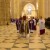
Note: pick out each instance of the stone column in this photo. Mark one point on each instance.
(7, 10)
(48, 8)
(41, 8)
(17, 8)
(12, 8)
(2, 17)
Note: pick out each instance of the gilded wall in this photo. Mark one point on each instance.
(1, 12)
(4, 11)
(41, 8)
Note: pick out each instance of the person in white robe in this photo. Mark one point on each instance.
(41, 25)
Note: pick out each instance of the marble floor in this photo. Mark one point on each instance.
(9, 39)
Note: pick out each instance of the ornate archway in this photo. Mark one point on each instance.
(29, 9)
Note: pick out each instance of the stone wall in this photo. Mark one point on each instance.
(1, 12)
(4, 11)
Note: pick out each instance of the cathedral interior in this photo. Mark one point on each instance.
(8, 32)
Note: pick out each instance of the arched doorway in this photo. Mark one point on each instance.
(30, 10)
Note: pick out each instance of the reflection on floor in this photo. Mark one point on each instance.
(9, 40)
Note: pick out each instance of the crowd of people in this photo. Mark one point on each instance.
(27, 25)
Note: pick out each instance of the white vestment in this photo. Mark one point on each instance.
(41, 24)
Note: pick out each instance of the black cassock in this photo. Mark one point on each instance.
(18, 22)
(42, 31)
(21, 30)
(31, 25)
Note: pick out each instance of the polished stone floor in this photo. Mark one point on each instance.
(9, 39)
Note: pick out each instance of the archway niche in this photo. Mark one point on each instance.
(29, 10)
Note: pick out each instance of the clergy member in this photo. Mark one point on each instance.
(31, 25)
(42, 25)
(34, 23)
